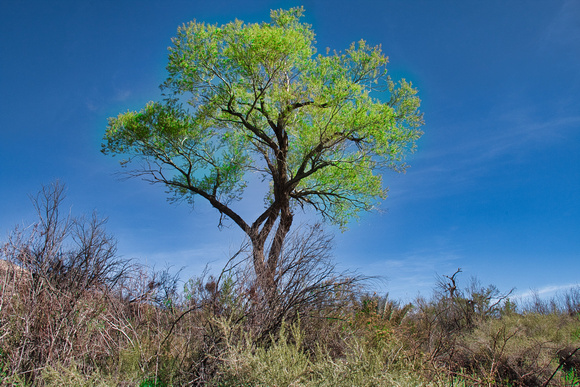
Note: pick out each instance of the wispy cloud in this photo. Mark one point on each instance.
(122, 95)
(97, 101)
(512, 130)
(512, 137)
(544, 292)
(564, 29)
(406, 275)
(191, 262)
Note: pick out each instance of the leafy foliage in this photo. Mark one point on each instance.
(259, 99)
(243, 98)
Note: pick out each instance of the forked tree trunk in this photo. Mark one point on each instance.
(266, 262)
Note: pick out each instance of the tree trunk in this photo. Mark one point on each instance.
(266, 269)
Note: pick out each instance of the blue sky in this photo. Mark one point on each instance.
(493, 188)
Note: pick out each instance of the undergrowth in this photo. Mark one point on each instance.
(73, 314)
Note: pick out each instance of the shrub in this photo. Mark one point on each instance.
(56, 283)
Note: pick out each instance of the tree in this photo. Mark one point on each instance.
(244, 98)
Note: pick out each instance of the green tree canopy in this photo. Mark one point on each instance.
(243, 98)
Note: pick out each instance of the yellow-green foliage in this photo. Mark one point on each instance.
(282, 364)
(59, 376)
(366, 362)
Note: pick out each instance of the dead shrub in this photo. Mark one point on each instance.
(308, 290)
(57, 277)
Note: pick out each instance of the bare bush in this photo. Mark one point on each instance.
(307, 285)
(306, 282)
(440, 325)
(539, 305)
(73, 254)
(571, 301)
(55, 289)
(217, 309)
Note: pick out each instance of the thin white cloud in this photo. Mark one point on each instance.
(406, 276)
(92, 106)
(122, 95)
(564, 28)
(514, 138)
(191, 262)
(514, 130)
(544, 292)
